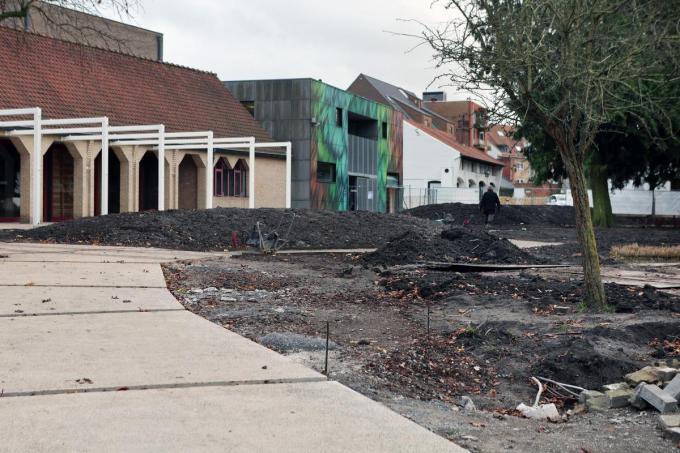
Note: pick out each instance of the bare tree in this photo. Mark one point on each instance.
(64, 19)
(567, 66)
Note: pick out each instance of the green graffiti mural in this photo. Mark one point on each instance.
(330, 143)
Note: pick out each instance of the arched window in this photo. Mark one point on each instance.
(221, 178)
(230, 182)
(239, 188)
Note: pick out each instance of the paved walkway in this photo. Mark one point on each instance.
(98, 356)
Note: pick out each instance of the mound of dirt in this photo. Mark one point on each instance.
(457, 213)
(459, 245)
(206, 230)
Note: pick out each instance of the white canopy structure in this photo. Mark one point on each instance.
(154, 136)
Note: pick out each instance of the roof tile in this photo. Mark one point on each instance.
(72, 80)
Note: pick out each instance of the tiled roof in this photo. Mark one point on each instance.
(450, 140)
(71, 80)
(397, 95)
(500, 134)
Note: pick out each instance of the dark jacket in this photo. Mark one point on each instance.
(490, 202)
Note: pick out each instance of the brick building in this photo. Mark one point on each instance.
(69, 80)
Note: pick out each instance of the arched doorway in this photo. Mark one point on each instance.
(148, 182)
(58, 184)
(188, 183)
(10, 181)
(114, 184)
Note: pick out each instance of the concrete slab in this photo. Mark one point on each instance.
(531, 244)
(151, 254)
(40, 300)
(81, 257)
(81, 274)
(20, 226)
(324, 417)
(88, 352)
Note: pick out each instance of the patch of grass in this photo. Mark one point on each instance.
(648, 252)
(583, 307)
(564, 328)
(469, 332)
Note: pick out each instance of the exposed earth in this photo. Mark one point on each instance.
(488, 334)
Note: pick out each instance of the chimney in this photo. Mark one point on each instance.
(434, 96)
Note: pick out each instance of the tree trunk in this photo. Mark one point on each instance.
(594, 296)
(602, 205)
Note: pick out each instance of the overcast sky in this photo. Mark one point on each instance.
(329, 40)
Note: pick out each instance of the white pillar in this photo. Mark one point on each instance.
(251, 176)
(209, 172)
(289, 174)
(161, 168)
(36, 163)
(104, 204)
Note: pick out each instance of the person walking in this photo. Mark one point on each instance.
(489, 205)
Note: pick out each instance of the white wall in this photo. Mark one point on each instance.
(638, 201)
(428, 159)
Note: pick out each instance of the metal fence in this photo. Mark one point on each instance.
(634, 202)
(414, 197)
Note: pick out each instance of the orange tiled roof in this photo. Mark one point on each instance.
(72, 80)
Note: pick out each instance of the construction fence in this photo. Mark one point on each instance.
(635, 202)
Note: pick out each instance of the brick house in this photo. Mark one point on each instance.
(70, 80)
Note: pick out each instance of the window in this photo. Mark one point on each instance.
(325, 172)
(250, 106)
(384, 131)
(239, 187)
(520, 165)
(221, 169)
(230, 182)
(338, 117)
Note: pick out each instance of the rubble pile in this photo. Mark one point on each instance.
(652, 387)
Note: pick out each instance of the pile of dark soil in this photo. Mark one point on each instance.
(204, 230)
(457, 213)
(459, 245)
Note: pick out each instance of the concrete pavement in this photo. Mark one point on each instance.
(98, 355)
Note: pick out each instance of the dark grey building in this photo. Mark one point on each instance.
(347, 150)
